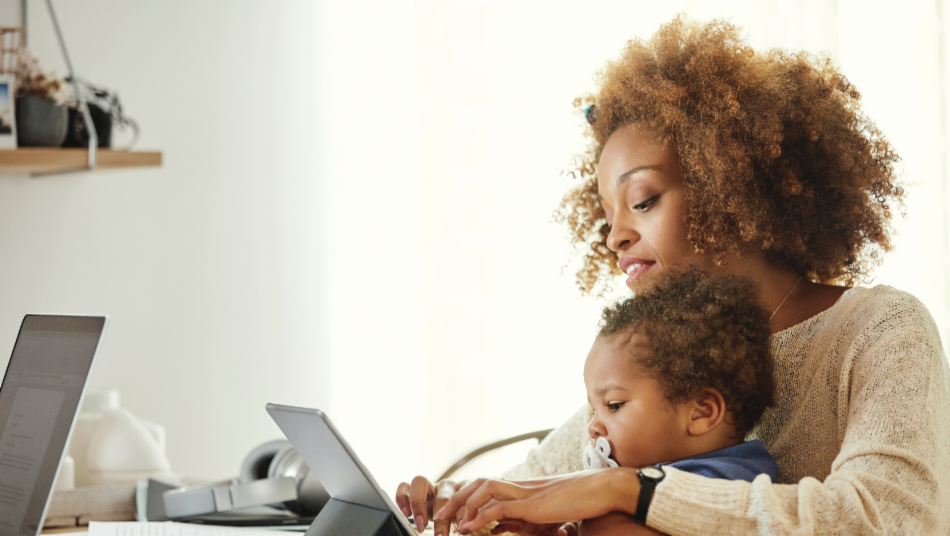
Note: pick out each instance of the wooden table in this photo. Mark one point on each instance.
(64, 530)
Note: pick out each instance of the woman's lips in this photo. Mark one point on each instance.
(634, 268)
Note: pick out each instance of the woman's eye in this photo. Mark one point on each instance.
(614, 406)
(643, 205)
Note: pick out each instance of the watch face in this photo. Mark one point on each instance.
(652, 472)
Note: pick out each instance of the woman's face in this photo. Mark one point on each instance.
(641, 189)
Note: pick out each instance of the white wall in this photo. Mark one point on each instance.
(209, 266)
(355, 207)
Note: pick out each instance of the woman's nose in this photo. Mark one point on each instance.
(622, 234)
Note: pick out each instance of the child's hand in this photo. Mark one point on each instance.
(529, 529)
(615, 524)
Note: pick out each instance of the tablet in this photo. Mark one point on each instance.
(338, 468)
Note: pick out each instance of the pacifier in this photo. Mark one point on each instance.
(597, 456)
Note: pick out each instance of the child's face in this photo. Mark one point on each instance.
(630, 410)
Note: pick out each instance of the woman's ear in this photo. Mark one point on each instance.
(708, 409)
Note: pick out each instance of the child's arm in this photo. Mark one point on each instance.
(615, 524)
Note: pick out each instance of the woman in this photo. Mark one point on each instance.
(760, 165)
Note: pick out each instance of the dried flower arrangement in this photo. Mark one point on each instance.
(32, 80)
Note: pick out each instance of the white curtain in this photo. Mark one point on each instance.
(454, 321)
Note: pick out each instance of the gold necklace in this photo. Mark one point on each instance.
(786, 297)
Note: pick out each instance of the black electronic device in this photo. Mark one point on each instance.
(39, 399)
(358, 506)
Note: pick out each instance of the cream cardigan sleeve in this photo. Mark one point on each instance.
(891, 474)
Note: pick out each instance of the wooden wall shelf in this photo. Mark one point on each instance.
(33, 160)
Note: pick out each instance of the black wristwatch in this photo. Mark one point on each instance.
(649, 478)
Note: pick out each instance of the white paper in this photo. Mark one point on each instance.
(168, 528)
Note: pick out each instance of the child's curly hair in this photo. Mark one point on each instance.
(704, 330)
(774, 149)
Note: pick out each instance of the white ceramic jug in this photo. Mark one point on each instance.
(111, 446)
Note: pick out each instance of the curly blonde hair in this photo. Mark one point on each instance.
(774, 150)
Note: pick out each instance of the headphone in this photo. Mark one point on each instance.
(273, 474)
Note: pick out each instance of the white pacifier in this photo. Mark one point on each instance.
(597, 456)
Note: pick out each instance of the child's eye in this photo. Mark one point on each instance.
(644, 205)
(614, 406)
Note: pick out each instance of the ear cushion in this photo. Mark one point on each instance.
(257, 464)
(278, 458)
(286, 462)
(311, 496)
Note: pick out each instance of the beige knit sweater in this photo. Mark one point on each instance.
(861, 433)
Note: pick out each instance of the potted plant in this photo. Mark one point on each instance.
(42, 115)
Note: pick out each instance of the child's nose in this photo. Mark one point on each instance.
(596, 428)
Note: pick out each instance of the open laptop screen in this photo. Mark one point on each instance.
(39, 396)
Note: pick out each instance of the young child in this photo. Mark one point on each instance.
(677, 376)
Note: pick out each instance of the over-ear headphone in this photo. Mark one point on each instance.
(277, 459)
(272, 474)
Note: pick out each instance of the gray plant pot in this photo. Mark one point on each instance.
(40, 122)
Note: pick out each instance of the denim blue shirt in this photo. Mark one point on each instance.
(744, 461)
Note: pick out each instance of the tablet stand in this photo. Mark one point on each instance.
(340, 518)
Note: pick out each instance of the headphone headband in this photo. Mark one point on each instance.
(227, 496)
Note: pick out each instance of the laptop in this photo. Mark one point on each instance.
(39, 399)
(358, 506)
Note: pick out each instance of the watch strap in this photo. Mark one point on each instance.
(647, 485)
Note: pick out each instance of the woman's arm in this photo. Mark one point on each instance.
(582, 495)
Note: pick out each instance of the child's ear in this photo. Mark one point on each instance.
(708, 409)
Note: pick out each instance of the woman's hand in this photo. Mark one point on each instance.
(581, 495)
(419, 499)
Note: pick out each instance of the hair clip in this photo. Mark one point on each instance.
(590, 113)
